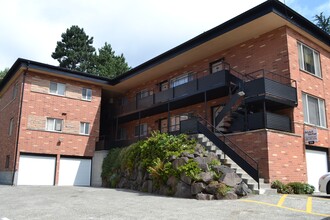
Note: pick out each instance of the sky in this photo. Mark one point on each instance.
(139, 29)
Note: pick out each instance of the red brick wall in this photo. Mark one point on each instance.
(9, 108)
(312, 85)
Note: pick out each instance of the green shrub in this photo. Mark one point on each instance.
(223, 189)
(191, 169)
(292, 188)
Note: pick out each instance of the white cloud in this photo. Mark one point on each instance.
(138, 29)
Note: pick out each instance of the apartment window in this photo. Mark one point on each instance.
(84, 128)
(57, 88)
(314, 111)
(143, 93)
(54, 124)
(7, 161)
(181, 79)
(15, 90)
(163, 86)
(122, 134)
(175, 121)
(11, 126)
(86, 94)
(309, 60)
(217, 65)
(141, 130)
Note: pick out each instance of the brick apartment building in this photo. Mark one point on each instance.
(259, 80)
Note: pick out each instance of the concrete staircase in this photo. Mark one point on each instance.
(225, 160)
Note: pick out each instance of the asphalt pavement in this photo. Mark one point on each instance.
(44, 202)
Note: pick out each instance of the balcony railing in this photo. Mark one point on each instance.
(269, 120)
(199, 85)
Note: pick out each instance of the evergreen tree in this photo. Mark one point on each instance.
(108, 64)
(323, 22)
(75, 50)
(3, 73)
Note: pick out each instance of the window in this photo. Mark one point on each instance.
(314, 111)
(54, 124)
(121, 135)
(175, 121)
(15, 90)
(7, 161)
(163, 86)
(86, 94)
(141, 130)
(11, 126)
(84, 128)
(143, 93)
(181, 79)
(309, 60)
(217, 65)
(57, 88)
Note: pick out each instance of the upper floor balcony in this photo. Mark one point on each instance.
(257, 85)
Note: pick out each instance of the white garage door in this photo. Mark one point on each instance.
(316, 166)
(36, 170)
(74, 172)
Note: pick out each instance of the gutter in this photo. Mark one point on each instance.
(19, 122)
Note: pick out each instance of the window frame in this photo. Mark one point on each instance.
(322, 121)
(54, 124)
(83, 127)
(143, 94)
(190, 76)
(87, 91)
(142, 127)
(11, 127)
(15, 91)
(56, 92)
(316, 60)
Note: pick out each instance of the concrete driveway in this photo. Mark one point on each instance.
(27, 202)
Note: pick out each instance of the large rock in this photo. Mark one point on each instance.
(183, 190)
(202, 196)
(184, 178)
(210, 157)
(230, 195)
(230, 179)
(212, 188)
(242, 189)
(206, 177)
(123, 182)
(165, 190)
(222, 169)
(172, 182)
(188, 155)
(197, 188)
(204, 167)
(179, 162)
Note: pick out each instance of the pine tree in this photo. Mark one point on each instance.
(323, 22)
(75, 50)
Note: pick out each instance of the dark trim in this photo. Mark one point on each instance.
(37, 154)
(75, 157)
(267, 7)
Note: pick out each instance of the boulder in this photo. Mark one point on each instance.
(206, 177)
(172, 182)
(230, 195)
(150, 186)
(122, 182)
(144, 187)
(204, 167)
(164, 190)
(172, 158)
(222, 169)
(202, 196)
(242, 189)
(230, 179)
(212, 188)
(197, 188)
(188, 155)
(184, 178)
(182, 190)
(179, 162)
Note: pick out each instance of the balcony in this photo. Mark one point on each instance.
(269, 120)
(272, 88)
(215, 85)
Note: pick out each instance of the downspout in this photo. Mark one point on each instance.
(19, 121)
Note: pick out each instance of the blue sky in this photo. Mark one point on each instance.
(140, 29)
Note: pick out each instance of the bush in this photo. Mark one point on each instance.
(292, 188)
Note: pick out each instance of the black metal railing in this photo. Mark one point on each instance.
(272, 76)
(200, 125)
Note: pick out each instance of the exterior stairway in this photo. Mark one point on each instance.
(252, 184)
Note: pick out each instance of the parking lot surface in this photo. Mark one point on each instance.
(28, 202)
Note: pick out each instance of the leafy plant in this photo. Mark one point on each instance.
(191, 169)
(292, 188)
(223, 189)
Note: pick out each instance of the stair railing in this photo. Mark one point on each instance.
(246, 162)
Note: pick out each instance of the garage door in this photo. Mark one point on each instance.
(36, 170)
(75, 172)
(316, 166)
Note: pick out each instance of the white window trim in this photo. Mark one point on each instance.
(84, 129)
(57, 91)
(321, 113)
(318, 69)
(86, 98)
(54, 127)
(185, 75)
(11, 126)
(144, 129)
